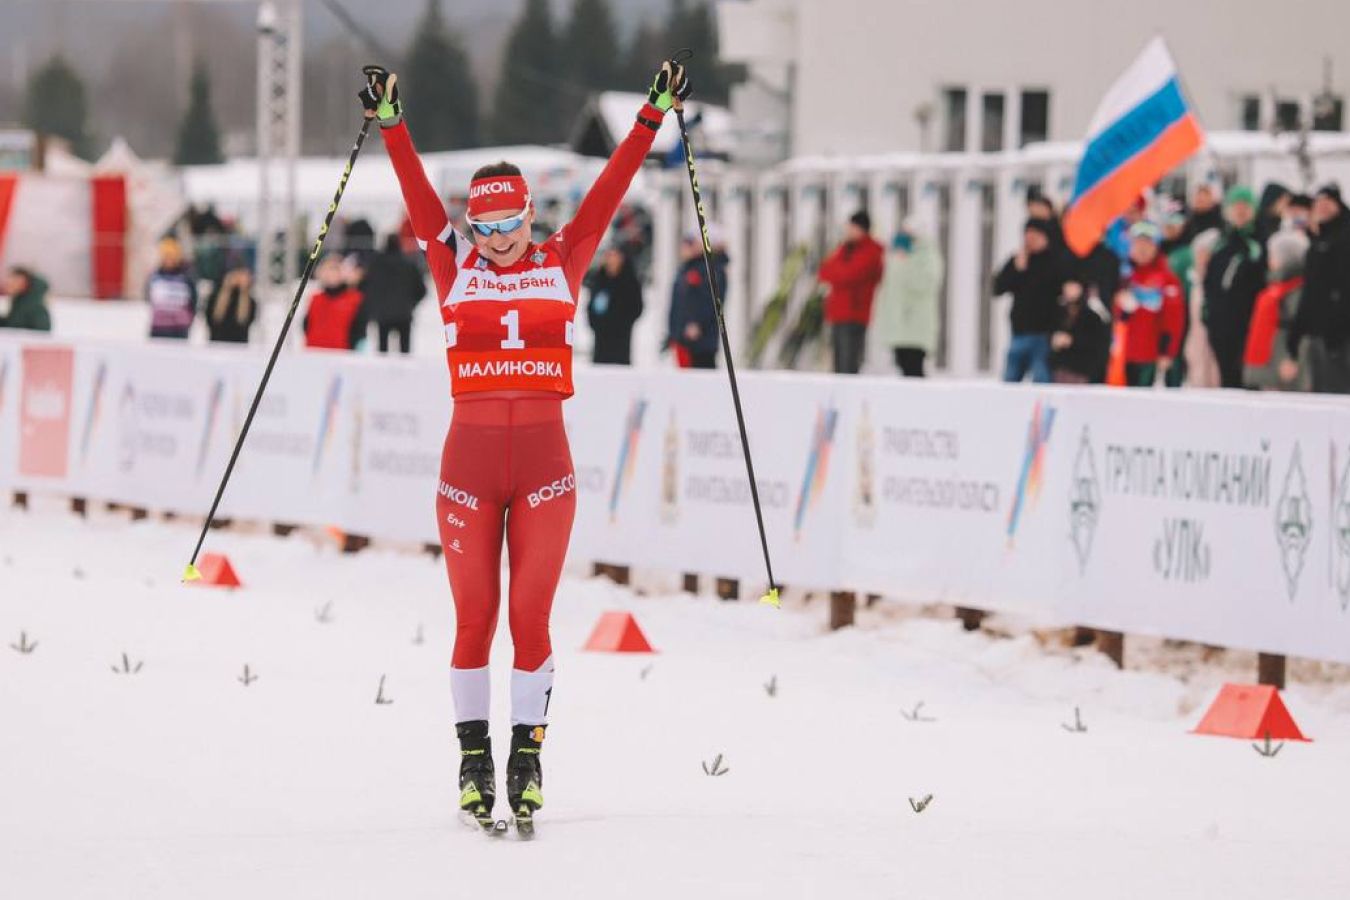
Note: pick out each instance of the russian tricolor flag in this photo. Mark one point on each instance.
(1142, 130)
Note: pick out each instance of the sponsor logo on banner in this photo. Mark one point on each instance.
(817, 466)
(1031, 476)
(1184, 481)
(865, 487)
(150, 425)
(213, 403)
(95, 410)
(327, 422)
(720, 486)
(358, 438)
(128, 433)
(924, 470)
(670, 472)
(4, 377)
(1084, 501)
(1339, 532)
(1293, 522)
(44, 411)
(628, 448)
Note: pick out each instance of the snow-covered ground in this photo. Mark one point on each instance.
(181, 782)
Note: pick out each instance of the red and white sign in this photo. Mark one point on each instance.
(44, 411)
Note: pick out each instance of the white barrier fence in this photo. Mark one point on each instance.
(1215, 517)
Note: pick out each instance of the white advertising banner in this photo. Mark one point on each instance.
(1221, 517)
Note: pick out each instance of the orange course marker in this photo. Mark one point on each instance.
(618, 632)
(217, 571)
(1250, 711)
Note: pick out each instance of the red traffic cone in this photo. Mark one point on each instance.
(1250, 711)
(618, 632)
(216, 571)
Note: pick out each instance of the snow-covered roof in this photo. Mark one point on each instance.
(1221, 143)
(716, 132)
(373, 190)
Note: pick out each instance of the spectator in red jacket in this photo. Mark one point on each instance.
(1151, 307)
(337, 318)
(852, 273)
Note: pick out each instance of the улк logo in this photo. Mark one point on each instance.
(1084, 501)
(1293, 522)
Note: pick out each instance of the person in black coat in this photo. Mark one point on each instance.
(393, 286)
(614, 307)
(1235, 274)
(1034, 276)
(1080, 346)
(1324, 311)
(232, 309)
(693, 312)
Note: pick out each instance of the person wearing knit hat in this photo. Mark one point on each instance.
(1235, 274)
(1149, 308)
(1330, 191)
(1324, 309)
(1034, 275)
(852, 273)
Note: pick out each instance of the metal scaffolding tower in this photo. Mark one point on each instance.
(280, 32)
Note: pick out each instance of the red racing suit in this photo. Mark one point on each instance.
(506, 469)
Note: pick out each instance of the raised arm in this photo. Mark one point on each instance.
(579, 238)
(381, 101)
(425, 211)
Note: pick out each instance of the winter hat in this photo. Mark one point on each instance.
(1239, 193)
(1146, 230)
(861, 219)
(1040, 225)
(903, 241)
(1302, 201)
(1332, 191)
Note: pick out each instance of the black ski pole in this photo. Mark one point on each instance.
(771, 597)
(191, 573)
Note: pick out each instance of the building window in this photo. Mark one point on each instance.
(991, 122)
(954, 102)
(1249, 107)
(1035, 124)
(1287, 115)
(1328, 113)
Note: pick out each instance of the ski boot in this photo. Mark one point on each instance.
(477, 777)
(525, 776)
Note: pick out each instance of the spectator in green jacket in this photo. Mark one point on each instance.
(907, 302)
(27, 301)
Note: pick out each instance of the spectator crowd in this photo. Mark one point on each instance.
(1232, 292)
(1228, 291)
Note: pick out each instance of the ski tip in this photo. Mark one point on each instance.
(191, 573)
(772, 599)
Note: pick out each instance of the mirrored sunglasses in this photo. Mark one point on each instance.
(503, 226)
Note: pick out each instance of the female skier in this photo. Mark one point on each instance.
(508, 305)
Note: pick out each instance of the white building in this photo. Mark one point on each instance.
(875, 76)
(945, 113)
